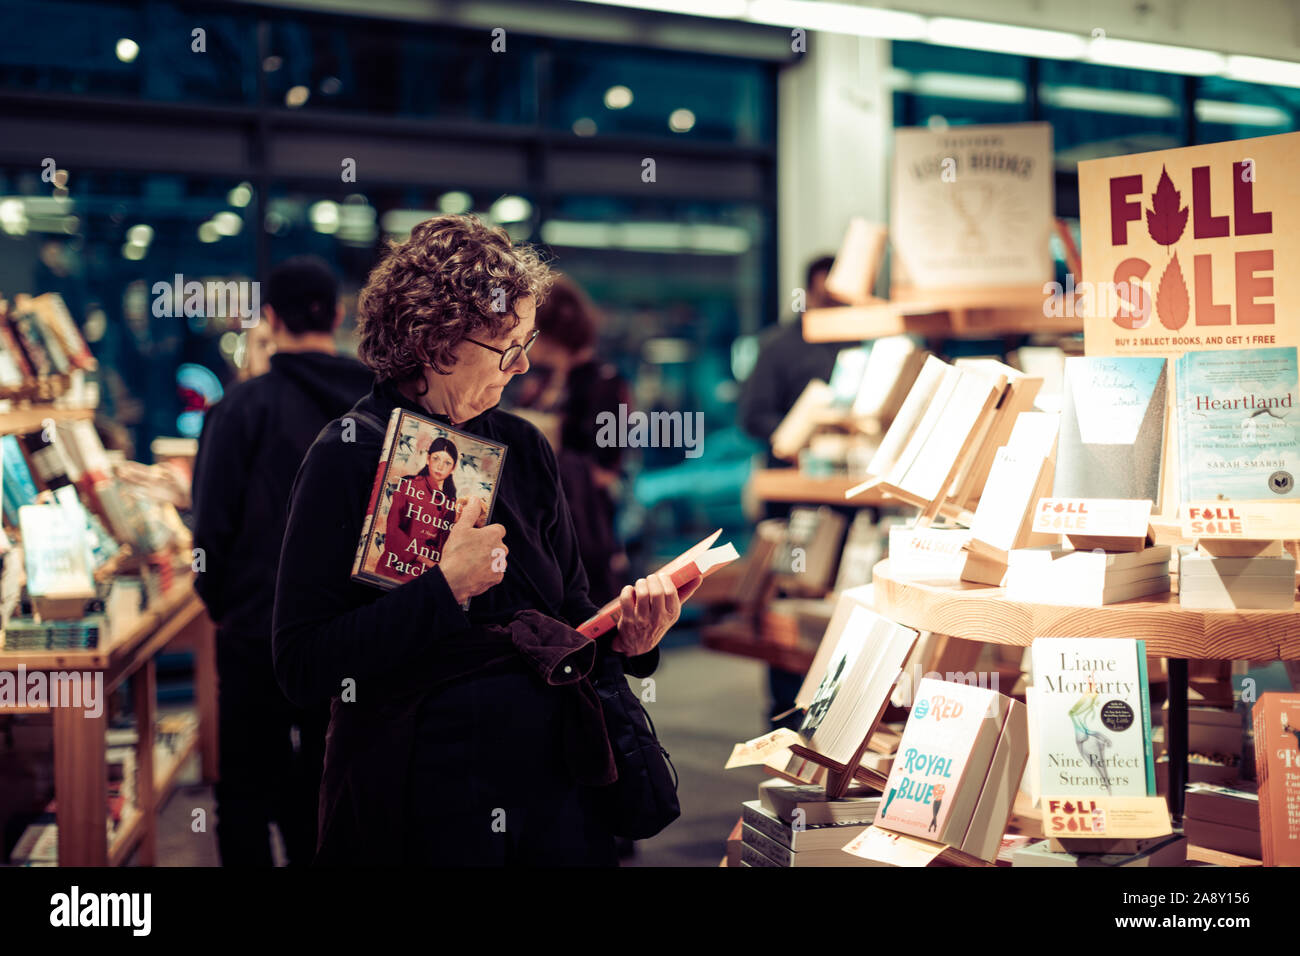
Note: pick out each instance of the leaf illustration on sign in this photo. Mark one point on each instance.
(1165, 219)
(1171, 297)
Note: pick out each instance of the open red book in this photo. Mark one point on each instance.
(699, 562)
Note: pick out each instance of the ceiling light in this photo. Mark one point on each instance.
(127, 50)
(1256, 69)
(681, 121)
(1002, 38)
(1134, 55)
(839, 18)
(618, 98)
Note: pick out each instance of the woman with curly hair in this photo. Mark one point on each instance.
(464, 728)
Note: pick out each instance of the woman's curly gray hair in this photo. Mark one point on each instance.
(453, 277)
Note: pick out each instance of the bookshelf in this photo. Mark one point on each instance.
(29, 418)
(745, 642)
(178, 620)
(793, 486)
(941, 313)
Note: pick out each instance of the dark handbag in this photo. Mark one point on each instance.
(643, 800)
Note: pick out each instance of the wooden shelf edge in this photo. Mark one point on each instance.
(129, 833)
(982, 613)
(727, 640)
(164, 782)
(29, 417)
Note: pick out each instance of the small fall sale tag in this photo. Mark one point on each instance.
(1106, 517)
(1109, 817)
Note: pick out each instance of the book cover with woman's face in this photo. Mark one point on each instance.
(431, 473)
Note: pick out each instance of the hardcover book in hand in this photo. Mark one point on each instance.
(427, 473)
(699, 562)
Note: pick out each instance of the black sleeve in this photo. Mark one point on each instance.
(327, 627)
(218, 492)
(577, 605)
(760, 406)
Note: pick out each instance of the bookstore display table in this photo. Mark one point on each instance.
(981, 613)
(80, 771)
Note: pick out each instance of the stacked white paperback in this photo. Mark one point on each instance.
(791, 825)
(1057, 575)
(1261, 581)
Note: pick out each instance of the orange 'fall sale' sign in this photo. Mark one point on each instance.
(1192, 248)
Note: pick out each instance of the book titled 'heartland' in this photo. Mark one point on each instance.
(427, 473)
(1238, 424)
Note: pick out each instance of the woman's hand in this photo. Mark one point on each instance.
(473, 559)
(647, 611)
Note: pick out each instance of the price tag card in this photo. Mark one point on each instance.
(928, 554)
(1106, 817)
(1096, 517)
(770, 747)
(893, 849)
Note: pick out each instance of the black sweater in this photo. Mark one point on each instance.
(329, 629)
(253, 441)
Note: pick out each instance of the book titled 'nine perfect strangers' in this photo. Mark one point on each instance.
(427, 473)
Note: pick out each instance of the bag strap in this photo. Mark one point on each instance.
(368, 419)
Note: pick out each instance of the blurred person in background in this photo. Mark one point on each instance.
(569, 387)
(255, 351)
(785, 366)
(254, 439)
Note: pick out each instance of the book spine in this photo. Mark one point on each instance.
(376, 489)
(604, 623)
(774, 851)
(1266, 835)
(768, 827)
(1144, 696)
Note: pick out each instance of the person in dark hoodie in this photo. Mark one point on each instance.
(254, 439)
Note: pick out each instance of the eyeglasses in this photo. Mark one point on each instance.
(511, 355)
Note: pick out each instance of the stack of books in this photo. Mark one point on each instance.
(1162, 851)
(26, 634)
(1223, 818)
(1224, 583)
(792, 825)
(1055, 575)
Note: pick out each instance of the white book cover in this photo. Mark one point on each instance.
(909, 416)
(1092, 717)
(973, 206)
(943, 760)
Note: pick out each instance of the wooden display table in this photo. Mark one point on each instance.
(80, 771)
(744, 642)
(980, 613)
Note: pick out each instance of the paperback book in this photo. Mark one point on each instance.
(1092, 717)
(1238, 430)
(1112, 429)
(944, 759)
